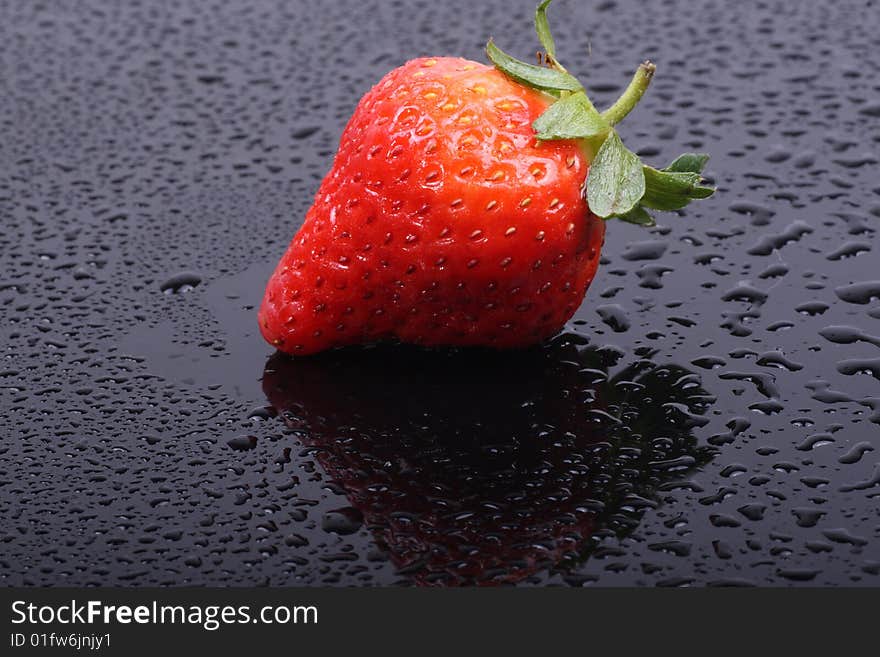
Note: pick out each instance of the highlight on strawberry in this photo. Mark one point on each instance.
(466, 205)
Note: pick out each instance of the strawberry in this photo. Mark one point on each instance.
(458, 210)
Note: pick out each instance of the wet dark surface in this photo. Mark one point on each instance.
(710, 416)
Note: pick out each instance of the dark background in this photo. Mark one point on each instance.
(156, 159)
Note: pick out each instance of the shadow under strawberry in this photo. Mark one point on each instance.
(479, 467)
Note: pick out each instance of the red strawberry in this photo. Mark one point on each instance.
(454, 214)
(443, 221)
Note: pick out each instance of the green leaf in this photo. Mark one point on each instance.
(672, 190)
(639, 216)
(537, 77)
(571, 117)
(542, 27)
(616, 181)
(693, 162)
(702, 192)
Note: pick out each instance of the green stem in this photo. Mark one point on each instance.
(630, 98)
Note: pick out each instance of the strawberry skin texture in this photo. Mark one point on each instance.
(443, 221)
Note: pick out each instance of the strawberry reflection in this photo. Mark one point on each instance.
(474, 467)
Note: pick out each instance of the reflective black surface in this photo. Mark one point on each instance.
(472, 467)
(709, 417)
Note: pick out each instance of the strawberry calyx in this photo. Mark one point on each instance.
(618, 184)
